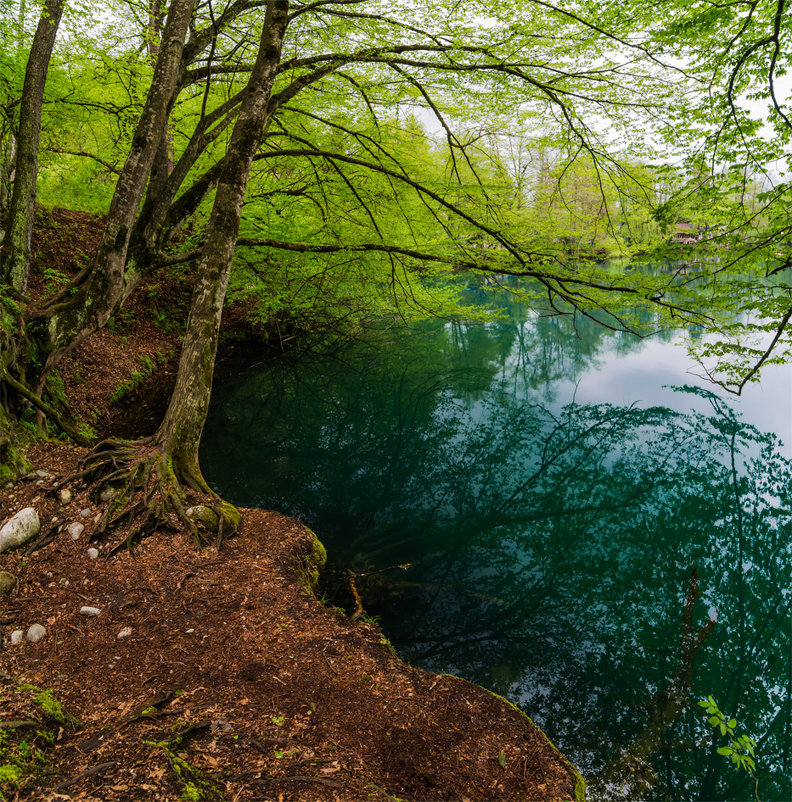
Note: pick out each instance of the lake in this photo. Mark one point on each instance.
(576, 506)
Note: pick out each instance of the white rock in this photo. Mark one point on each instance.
(125, 632)
(65, 495)
(24, 526)
(17, 636)
(90, 611)
(93, 554)
(86, 512)
(43, 474)
(108, 493)
(35, 633)
(75, 530)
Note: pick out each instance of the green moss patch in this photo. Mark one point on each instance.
(307, 571)
(26, 742)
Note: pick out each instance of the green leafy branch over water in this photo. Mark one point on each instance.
(740, 748)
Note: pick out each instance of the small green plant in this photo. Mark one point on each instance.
(739, 748)
(148, 366)
(54, 279)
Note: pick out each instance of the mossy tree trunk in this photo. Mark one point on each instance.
(76, 318)
(153, 473)
(17, 245)
(180, 432)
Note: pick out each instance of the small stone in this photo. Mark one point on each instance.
(75, 530)
(65, 495)
(205, 516)
(86, 512)
(93, 554)
(125, 632)
(221, 725)
(35, 633)
(21, 528)
(108, 493)
(43, 474)
(90, 611)
(7, 583)
(17, 636)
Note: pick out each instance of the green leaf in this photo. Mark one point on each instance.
(502, 759)
(725, 750)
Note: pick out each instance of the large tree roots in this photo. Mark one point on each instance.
(145, 491)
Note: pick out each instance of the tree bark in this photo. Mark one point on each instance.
(180, 432)
(90, 309)
(14, 268)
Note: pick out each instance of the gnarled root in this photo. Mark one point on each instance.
(147, 493)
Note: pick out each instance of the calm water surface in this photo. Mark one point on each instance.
(553, 490)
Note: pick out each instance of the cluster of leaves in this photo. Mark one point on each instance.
(740, 748)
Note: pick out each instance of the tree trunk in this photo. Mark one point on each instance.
(180, 432)
(14, 268)
(90, 309)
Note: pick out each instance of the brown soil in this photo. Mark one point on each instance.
(275, 696)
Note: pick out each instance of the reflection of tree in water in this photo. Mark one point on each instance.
(551, 550)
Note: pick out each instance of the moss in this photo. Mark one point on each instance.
(195, 785)
(10, 775)
(307, 571)
(25, 760)
(12, 442)
(48, 704)
(231, 515)
(208, 517)
(148, 367)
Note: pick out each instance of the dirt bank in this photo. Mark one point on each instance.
(218, 674)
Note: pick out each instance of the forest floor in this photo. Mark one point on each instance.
(214, 674)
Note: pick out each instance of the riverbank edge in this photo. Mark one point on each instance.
(92, 378)
(308, 577)
(77, 663)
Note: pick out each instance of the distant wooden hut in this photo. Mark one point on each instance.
(684, 234)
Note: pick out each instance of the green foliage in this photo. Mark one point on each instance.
(537, 143)
(148, 366)
(739, 748)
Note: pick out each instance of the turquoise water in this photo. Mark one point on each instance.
(553, 488)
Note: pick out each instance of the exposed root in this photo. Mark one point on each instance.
(146, 493)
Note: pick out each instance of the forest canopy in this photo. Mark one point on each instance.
(332, 161)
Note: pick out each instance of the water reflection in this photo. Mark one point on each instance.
(552, 545)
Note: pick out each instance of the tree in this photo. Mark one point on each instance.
(14, 267)
(175, 446)
(314, 122)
